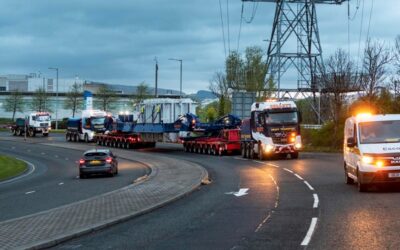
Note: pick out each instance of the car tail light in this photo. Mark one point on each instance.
(109, 160)
(81, 161)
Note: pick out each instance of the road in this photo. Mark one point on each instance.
(283, 201)
(54, 181)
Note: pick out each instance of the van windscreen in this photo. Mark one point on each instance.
(379, 132)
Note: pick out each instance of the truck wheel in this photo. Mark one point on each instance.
(294, 155)
(45, 134)
(243, 148)
(260, 152)
(86, 138)
(13, 132)
(75, 137)
(220, 151)
(251, 151)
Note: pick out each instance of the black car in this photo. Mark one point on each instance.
(98, 161)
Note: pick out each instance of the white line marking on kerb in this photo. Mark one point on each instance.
(308, 185)
(31, 170)
(30, 192)
(310, 232)
(242, 159)
(288, 170)
(316, 201)
(298, 176)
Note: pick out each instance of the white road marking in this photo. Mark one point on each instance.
(42, 153)
(30, 192)
(61, 183)
(310, 232)
(288, 170)
(316, 201)
(241, 192)
(28, 150)
(259, 162)
(308, 185)
(66, 159)
(273, 165)
(56, 156)
(12, 147)
(298, 176)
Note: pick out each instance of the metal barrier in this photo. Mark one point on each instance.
(311, 126)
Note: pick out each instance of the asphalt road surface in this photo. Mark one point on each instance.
(55, 180)
(281, 204)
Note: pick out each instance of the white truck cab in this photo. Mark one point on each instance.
(38, 122)
(372, 149)
(92, 122)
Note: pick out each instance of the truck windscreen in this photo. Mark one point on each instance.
(278, 118)
(97, 120)
(43, 118)
(379, 132)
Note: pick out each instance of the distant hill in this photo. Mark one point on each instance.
(202, 95)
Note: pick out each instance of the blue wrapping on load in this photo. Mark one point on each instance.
(73, 124)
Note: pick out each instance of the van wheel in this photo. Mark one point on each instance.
(362, 187)
(347, 179)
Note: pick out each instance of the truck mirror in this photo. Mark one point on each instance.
(351, 143)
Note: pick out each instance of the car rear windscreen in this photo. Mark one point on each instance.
(95, 154)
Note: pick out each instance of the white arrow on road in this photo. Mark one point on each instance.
(241, 192)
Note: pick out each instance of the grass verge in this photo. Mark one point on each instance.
(10, 167)
(57, 131)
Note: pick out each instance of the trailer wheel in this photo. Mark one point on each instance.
(220, 151)
(243, 148)
(75, 137)
(251, 151)
(294, 155)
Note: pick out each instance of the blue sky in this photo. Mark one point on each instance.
(117, 41)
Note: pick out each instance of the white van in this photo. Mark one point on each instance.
(372, 150)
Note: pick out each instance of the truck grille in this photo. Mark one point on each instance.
(43, 124)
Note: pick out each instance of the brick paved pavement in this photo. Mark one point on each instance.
(169, 180)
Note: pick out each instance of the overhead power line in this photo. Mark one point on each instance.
(227, 20)
(370, 17)
(222, 26)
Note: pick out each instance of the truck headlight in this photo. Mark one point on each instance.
(269, 148)
(297, 145)
(367, 159)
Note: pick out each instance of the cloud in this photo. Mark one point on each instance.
(117, 41)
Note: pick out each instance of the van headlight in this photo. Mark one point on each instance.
(367, 159)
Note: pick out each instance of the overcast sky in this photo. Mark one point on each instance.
(117, 41)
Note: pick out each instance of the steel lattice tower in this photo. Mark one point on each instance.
(295, 42)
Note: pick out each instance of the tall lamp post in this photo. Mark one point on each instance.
(180, 86)
(56, 69)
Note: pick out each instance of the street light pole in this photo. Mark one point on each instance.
(56, 69)
(180, 86)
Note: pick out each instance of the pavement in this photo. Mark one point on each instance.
(169, 180)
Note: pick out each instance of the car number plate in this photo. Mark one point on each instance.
(95, 162)
(394, 175)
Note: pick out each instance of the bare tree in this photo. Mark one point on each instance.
(40, 101)
(14, 103)
(219, 87)
(375, 69)
(338, 81)
(74, 98)
(142, 93)
(106, 97)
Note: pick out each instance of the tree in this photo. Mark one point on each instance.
(14, 103)
(220, 88)
(337, 82)
(375, 69)
(74, 98)
(142, 93)
(40, 101)
(105, 97)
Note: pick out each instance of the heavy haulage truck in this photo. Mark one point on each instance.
(32, 124)
(85, 127)
(272, 130)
